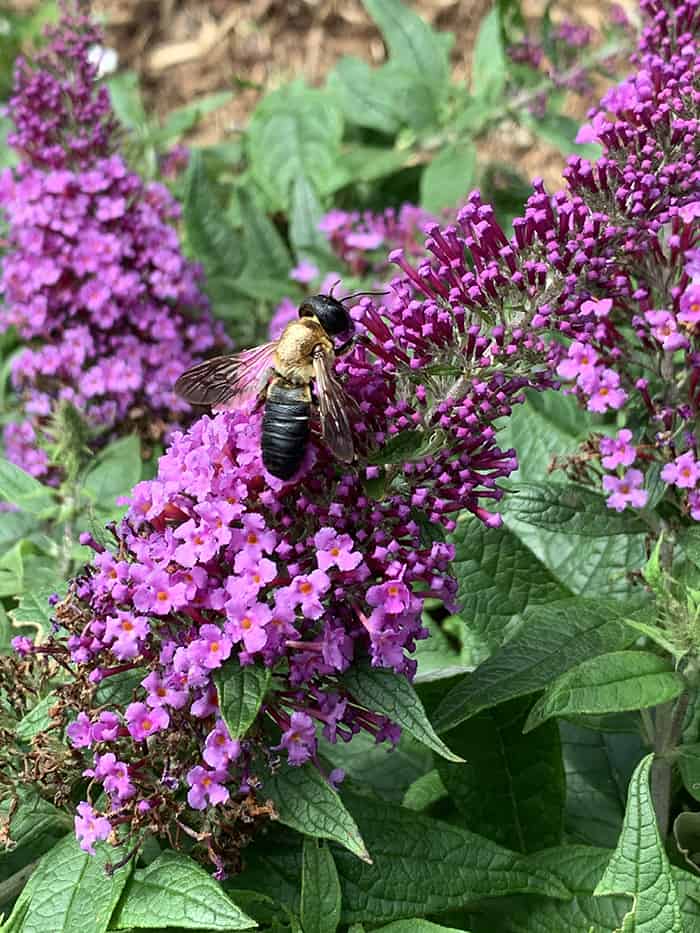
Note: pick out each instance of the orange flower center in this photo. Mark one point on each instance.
(305, 588)
(162, 596)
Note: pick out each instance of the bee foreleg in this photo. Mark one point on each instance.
(344, 346)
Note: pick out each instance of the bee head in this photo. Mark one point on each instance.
(329, 312)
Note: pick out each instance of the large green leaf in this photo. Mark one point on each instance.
(412, 44)
(293, 131)
(174, 891)
(34, 607)
(449, 177)
(392, 695)
(36, 827)
(639, 867)
(489, 69)
(511, 789)
(210, 236)
(571, 508)
(610, 683)
(366, 95)
(552, 640)
(241, 691)
(598, 767)
(425, 866)
(320, 889)
(305, 801)
(387, 772)
(114, 471)
(305, 217)
(22, 490)
(70, 892)
(579, 868)
(499, 578)
(415, 925)
(266, 252)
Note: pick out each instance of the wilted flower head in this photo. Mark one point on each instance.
(93, 278)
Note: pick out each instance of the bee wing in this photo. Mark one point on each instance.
(228, 382)
(332, 403)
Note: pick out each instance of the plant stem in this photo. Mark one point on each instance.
(668, 727)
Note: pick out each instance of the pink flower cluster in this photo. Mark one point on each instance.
(93, 279)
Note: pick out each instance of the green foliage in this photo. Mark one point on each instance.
(320, 889)
(639, 867)
(241, 691)
(305, 801)
(173, 891)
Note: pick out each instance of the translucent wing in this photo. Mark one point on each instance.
(227, 382)
(332, 405)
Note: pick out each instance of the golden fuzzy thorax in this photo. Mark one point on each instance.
(294, 354)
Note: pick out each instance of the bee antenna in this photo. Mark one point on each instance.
(359, 294)
(330, 293)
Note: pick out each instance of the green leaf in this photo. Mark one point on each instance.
(610, 683)
(293, 131)
(392, 695)
(388, 773)
(266, 253)
(12, 570)
(368, 163)
(174, 891)
(579, 868)
(408, 446)
(36, 826)
(552, 640)
(127, 102)
(567, 507)
(70, 891)
(305, 217)
(489, 68)
(366, 95)
(548, 425)
(23, 490)
(560, 131)
(498, 577)
(412, 44)
(115, 471)
(15, 526)
(210, 237)
(449, 177)
(639, 866)
(415, 925)
(241, 691)
(34, 607)
(689, 766)
(37, 719)
(511, 789)
(598, 767)
(426, 866)
(320, 889)
(424, 792)
(305, 801)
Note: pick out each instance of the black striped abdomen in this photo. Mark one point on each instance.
(285, 428)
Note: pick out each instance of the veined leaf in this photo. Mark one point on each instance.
(424, 866)
(568, 507)
(449, 177)
(241, 691)
(610, 683)
(511, 789)
(114, 471)
(174, 891)
(305, 801)
(392, 695)
(22, 490)
(639, 867)
(489, 68)
(320, 889)
(552, 640)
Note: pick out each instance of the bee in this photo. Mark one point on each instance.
(292, 375)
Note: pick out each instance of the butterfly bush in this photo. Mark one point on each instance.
(93, 278)
(220, 569)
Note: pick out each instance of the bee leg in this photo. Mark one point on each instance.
(344, 346)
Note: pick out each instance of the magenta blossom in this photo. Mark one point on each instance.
(625, 490)
(617, 451)
(90, 827)
(143, 721)
(299, 740)
(206, 787)
(683, 472)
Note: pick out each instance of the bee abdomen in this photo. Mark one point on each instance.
(285, 428)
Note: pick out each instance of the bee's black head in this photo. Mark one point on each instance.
(330, 313)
